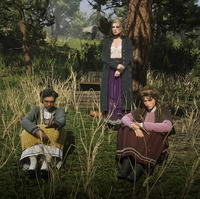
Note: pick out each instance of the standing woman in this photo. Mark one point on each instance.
(43, 137)
(116, 82)
(143, 140)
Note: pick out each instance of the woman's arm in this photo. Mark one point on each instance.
(163, 127)
(60, 118)
(27, 121)
(127, 120)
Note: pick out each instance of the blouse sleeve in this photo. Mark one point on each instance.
(29, 119)
(163, 127)
(127, 119)
(60, 118)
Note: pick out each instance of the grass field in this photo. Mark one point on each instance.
(89, 169)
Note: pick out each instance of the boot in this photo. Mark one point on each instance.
(135, 174)
(125, 169)
(44, 172)
(31, 174)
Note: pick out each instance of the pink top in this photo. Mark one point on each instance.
(149, 123)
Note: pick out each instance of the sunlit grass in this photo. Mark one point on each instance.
(90, 169)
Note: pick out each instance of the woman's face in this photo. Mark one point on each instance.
(48, 102)
(149, 102)
(116, 29)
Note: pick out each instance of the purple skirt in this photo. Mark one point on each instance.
(114, 114)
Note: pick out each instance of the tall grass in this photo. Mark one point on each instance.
(92, 163)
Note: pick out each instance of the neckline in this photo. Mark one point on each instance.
(152, 110)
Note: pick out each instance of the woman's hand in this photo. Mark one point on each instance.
(139, 133)
(42, 136)
(117, 74)
(136, 127)
(120, 66)
(52, 125)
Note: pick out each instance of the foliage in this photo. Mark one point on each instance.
(175, 54)
(75, 29)
(104, 25)
(66, 17)
(89, 170)
(91, 56)
(52, 59)
(97, 4)
(37, 16)
(117, 9)
(175, 16)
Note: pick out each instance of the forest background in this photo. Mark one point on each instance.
(42, 43)
(174, 45)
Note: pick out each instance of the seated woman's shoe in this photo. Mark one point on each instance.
(135, 174)
(31, 174)
(125, 169)
(44, 174)
(131, 177)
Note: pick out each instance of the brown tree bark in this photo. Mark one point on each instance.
(25, 48)
(139, 31)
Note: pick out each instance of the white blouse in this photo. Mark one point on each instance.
(116, 52)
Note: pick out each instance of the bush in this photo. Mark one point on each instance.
(175, 54)
(82, 56)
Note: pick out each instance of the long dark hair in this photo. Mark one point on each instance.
(149, 92)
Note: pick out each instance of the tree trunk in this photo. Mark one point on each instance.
(25, 48)
(139, 31)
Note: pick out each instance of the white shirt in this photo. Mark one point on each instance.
(116, 52)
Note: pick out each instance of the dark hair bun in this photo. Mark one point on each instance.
(48, 93)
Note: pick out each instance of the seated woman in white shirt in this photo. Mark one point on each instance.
(43, 137)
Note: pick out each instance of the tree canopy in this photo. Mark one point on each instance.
(65, 13)
(149, 25)
(36, 14)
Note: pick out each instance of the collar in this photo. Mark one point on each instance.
(152, 110)
(52, 110)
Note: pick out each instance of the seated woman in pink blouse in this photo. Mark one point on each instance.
(142, 140)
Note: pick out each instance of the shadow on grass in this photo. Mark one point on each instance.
(69, 145)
